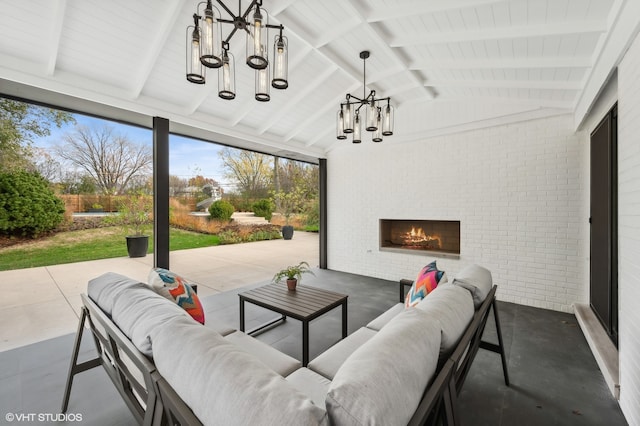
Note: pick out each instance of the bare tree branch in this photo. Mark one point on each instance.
(109, 158)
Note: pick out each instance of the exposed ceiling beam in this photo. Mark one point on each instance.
(313, 118)
(279, 6)
(57, 21)
(334, 33)
(162, 33)
(250, 103)
(302, 94)
(511, 32)
(497, 63)
(422, 7)
(533, 102)
(508, 84)
(356, 9)
(321, 135)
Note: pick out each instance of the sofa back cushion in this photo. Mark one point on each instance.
(224, 385)
(139, 310)
(104, 289)
(452, 307)
(383, 380)
(477, 280)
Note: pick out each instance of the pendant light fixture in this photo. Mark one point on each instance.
(378, 112)
(207, 49)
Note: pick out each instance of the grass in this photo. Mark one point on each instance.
(91, 244)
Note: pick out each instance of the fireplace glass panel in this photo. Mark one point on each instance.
(435, 236)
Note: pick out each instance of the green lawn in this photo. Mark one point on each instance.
(78, 246)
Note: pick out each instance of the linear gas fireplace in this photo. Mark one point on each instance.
(438, 237)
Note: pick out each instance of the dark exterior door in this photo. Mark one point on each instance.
(604, 242)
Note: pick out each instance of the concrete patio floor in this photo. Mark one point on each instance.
(42, 303)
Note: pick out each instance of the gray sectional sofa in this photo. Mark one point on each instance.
(404, 367)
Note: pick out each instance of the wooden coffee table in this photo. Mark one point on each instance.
(304, 304)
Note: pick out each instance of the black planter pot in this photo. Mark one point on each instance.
(137, 245)
(287, 232)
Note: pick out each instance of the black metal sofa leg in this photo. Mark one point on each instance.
(500, 342)
(74, 367)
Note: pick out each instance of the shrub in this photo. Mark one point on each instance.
(312, 211)
(221, 210)
(27, 205)
(263, 208)
(135, 214)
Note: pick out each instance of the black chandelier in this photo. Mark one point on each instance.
(207, 49)
(379, 117)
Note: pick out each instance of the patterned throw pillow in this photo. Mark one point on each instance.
(426, 281)
(178, 290)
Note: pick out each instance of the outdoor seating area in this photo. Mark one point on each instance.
(540, 390)
(455, 184)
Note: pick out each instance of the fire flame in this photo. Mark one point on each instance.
(417, 237)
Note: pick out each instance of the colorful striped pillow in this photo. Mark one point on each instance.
(427, 280)
(177, 289)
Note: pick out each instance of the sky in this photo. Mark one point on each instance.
(187, 157)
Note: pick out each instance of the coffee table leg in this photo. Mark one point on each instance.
(241, 314)
(305, 343)
(344, 319)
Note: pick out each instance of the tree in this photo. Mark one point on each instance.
(27, 205)
(251, 171)
(20, 123)
(177, 185)
(110, 158)
(46, 165)
(201, 181)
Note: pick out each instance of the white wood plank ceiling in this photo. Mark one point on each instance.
(445, 63)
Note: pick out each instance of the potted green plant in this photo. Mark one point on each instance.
(288, 203)
(134, 215)
(293, 274)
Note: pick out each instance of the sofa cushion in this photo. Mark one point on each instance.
(139, 310)
(105, 288)
(452, 307)
(382, 320)
(281, 363)
(477, 280)
(222, 384)
(177, 289)
(328, 362)
(311, 384)
(382, 382)
(427, 280)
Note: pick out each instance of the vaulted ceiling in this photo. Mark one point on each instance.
(445, 63)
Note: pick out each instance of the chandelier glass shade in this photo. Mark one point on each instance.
(378, 113)
(206, 49)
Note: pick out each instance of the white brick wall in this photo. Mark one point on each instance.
(629, 231)
(520, 191)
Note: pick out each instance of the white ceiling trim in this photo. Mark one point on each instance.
(509, 63)
(511, 32)
(57, 21)
(163, 31)
(423, 7)
(508, 84)
(624, 22)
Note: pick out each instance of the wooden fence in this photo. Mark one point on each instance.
(82, 203)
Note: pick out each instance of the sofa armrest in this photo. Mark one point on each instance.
(402, 284)
(129, 370)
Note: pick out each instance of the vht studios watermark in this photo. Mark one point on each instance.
(43, 417)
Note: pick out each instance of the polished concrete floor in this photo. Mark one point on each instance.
(554, 377)
(41, 303)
